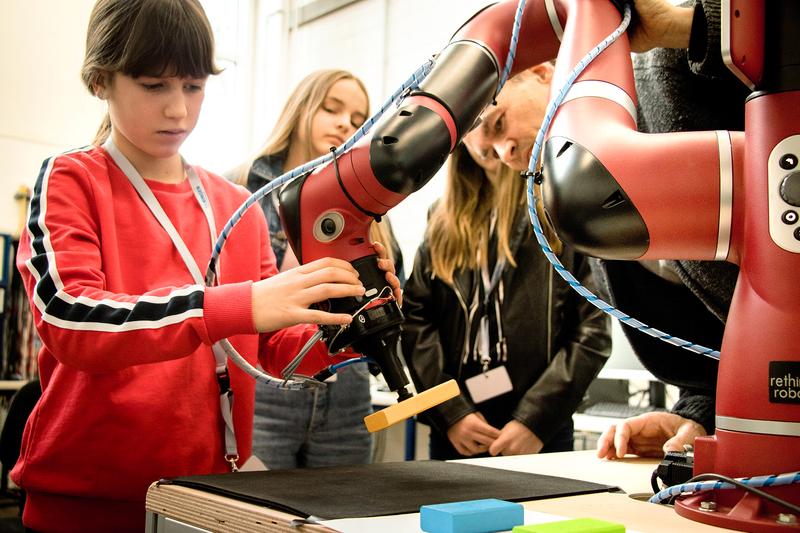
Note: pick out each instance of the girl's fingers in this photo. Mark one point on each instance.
(315, 316)
(386, 264)
(326, 291)
(380, 249)
(326, 262)
(330, 275)
(484, 439)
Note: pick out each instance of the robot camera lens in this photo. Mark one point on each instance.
(328, 226)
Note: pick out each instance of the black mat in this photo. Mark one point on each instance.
(383, 488)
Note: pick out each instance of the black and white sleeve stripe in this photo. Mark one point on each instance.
(82, 313)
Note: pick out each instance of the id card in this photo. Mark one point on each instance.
(488, 385)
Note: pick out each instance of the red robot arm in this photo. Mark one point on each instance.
(700, 195)
(627, 184)
(328, 212)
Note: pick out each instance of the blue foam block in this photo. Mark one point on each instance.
(475, 516)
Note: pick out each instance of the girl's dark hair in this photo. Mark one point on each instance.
(147, 37)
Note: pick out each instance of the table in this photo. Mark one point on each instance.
(175, 509)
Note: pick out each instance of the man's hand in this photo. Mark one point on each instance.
(648, 435)
(516, 439)
(472, 435)
(660, 25)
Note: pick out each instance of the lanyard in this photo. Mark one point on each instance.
(147, 196)
(489, 285)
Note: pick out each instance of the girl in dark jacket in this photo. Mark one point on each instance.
(484, 307)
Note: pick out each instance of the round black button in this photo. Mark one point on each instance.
(797, 234)
(790, 189)
(788, 161)
(789, 217)
(328, 226)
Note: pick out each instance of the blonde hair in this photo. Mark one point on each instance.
(459, 225)
(298, 112)
(299, 109)
(146, 37)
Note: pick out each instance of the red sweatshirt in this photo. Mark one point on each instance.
(127, 371)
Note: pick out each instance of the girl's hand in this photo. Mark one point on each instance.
(384, 263)
(472, 435)
(516, 439)
(284, 299)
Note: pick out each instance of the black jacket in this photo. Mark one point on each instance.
(556, 341)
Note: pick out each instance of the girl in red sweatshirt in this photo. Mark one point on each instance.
(118, 236)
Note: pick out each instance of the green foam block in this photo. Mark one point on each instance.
(577, 525)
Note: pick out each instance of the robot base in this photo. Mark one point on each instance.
(738, 509)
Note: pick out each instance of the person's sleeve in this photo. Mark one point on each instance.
(83, 323)
(421, 343)
(704, 54)
(587, 345)
(697, 406)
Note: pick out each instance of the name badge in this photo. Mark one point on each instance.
(488, 385)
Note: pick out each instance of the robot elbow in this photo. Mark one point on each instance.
(587, 206)
(410, 148)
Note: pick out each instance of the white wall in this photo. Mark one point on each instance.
(44, 109)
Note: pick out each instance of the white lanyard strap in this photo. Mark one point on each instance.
(152, 203)
(147, 196)
(489, 285)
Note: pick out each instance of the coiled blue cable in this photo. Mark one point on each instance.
(512, 47)
(702, 486)
(533, 199)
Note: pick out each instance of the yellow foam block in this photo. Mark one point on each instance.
(407, 408)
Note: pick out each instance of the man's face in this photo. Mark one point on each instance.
(509, 128)
(486, 159)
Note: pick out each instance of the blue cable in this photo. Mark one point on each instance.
(348, 362)
(512, 47)
(533, 199)
(702, 486)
